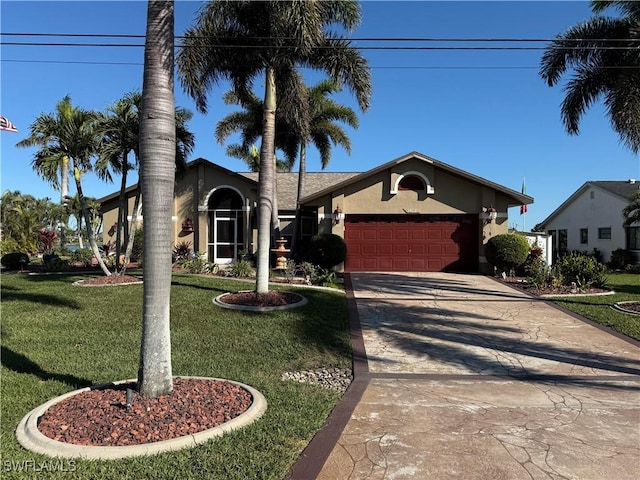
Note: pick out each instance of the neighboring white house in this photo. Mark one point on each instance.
(592, 218)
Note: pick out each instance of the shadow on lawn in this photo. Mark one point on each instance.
(20, 364)
(14, 294)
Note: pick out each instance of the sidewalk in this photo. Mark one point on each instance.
(468, 378)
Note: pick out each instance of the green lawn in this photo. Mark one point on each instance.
(57, 337)
(598, 308)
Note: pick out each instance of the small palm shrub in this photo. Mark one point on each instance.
(241, 268)
(198, 264)
(584, 271)
(181, 251)
(15, 260)
(327, 250)
(507, 251)
(83, 256)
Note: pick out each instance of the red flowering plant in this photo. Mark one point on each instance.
(47, 240)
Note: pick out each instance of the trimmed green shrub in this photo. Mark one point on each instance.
(507, 251)
(327, 250)
(15, 260)
(83, 256)
(56, 264)
(584, 270)
(138, 246)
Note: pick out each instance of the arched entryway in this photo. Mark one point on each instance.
(226, 225)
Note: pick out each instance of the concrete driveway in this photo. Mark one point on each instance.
(468, 378)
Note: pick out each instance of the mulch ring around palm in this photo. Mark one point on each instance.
(101, 417)
(273, 298)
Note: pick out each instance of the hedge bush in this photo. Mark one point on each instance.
(620, 258)
(15, 260)
(584, 270)
(507, 251)
(327, 250)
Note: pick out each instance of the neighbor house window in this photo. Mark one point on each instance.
(634, 238)
(584, 236)
(562, 242)
(604, 233)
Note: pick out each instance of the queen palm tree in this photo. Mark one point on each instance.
(120, 132)
(250, 123)
(119, 129)
(242, 40)
(323, 133)
(157, 173)
(604, 53)
(69, 134)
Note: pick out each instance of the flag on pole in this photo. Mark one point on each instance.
(523, 208)
(6, 125)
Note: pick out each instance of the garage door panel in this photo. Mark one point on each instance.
(412, 243)
(385, 249)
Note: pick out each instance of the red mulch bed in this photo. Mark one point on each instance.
(100, 417)
(273, 298)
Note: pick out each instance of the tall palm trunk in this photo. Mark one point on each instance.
(64, 193)
(302, 177)
(88, 224)
(123, 205)
(133, 227)
(157, 165)
(266, 179)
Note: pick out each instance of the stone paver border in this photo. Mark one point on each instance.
(32, 439)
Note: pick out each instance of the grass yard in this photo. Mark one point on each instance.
(57, 337)
(598, 308)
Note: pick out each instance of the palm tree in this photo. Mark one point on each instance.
(242, 40)
(631, 212)
(250, 123)
(604, 53)
(251, 156)
(157, 174)
(323, 132)
(120, 131)
(69, 134)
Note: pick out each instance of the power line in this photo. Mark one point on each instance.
(363, 39)
(387, 67)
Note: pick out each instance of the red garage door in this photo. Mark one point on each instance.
(411, 243)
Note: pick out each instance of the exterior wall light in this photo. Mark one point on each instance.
(187, 225)
(337, 215)
(490, 214)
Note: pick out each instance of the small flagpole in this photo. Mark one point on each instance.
(524, 212)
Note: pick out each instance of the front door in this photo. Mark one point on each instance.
(224, 237)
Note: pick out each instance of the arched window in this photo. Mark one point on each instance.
(412, 182)
(225, 199)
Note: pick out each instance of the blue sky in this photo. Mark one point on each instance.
(486, 112)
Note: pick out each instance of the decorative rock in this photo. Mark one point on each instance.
(331, 378)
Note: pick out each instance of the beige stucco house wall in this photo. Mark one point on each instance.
(438, 190)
